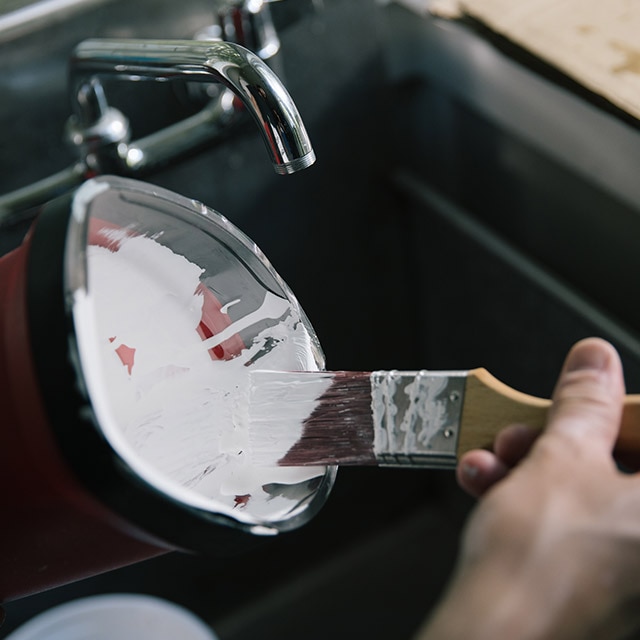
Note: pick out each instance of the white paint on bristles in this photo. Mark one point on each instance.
(279, 404)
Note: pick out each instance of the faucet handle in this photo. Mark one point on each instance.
(245, 22)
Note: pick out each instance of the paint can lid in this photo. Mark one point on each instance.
(115, 617)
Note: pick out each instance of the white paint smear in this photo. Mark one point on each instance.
(166, 406)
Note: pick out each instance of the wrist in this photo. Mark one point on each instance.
(498, 603)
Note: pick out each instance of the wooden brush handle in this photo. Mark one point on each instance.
(490, 405)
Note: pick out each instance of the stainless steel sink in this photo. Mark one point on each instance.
(427, 235)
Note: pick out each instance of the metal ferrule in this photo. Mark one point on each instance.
(416, 416)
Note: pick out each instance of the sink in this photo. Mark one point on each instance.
(401, 253)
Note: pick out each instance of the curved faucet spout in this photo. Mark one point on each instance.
(231, 65)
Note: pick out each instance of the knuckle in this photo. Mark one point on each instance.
(589, 388)
(553, 451)
(584, 409)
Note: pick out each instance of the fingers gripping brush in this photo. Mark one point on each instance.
(392, 418)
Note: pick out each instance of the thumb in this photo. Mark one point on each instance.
(588, 398)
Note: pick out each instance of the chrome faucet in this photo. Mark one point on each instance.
(102, 133)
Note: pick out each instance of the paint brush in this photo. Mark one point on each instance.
(392, 418)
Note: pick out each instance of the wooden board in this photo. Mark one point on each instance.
(595, 42)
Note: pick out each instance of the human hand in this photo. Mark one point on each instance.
(553, 549)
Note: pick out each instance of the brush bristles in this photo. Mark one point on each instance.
(333, 423)
(340, 428)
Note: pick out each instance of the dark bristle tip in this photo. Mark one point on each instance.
(340, 429)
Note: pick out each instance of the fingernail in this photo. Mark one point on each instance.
(589, 354)
(469, 470)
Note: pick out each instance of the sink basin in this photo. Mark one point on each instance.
(418, 240)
